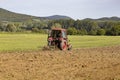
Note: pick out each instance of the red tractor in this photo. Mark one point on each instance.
(57, 38)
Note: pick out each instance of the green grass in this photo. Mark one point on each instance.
(20, 42)
(26, 42)
(94, 41)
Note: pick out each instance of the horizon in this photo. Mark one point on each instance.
(60, 15)
(76, 9)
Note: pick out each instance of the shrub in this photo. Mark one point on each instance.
(101, 32)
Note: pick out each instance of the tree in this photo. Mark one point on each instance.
(72, 31)
(35, 29)
(82, 32)
(115, 30)
(2, 26)
(11, 28)
(78, 24)
(92, 32)
(101, 32)
(56, 25)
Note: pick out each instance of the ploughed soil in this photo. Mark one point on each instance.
(77, 64)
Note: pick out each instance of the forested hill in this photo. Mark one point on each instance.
(105, 19)
(56, 17)
(15, 22)
(6, 15)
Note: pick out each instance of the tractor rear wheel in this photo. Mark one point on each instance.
(63, 46)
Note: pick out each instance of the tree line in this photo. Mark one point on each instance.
(74, 27)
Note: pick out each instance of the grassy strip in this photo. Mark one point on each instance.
(33, 42)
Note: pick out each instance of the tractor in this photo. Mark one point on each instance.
(57, 38)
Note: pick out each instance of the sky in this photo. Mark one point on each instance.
(76, 9)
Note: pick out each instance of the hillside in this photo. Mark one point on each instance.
(56, 17)
(6, 15)
(105, 19)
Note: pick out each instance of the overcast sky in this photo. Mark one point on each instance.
(77, 9)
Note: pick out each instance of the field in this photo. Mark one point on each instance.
(92, 58)
(33, 42)
(78, 64)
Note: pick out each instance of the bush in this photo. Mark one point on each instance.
(82, 32)
(35, 30)
(115, 30)
(11, 28)
(101, 32)
(42, 31)
(72, 31)
(92, 32)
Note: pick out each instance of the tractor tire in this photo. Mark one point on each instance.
(69, 47)
(63, 45)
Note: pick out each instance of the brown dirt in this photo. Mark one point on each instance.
(78, 64)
